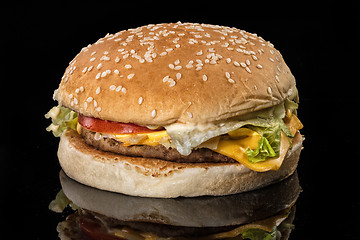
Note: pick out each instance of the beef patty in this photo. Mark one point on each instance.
(199, 155)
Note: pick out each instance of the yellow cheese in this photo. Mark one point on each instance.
(236, 148)
(152, 139)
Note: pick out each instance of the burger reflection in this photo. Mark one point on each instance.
(265, 213)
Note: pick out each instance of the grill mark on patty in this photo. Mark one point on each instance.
(201, 155)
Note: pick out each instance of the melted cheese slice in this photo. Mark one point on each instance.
(236, 150)
(152, 139)
(233, 145)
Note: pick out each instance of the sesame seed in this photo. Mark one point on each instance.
(269, 90)
(171, 66)
(277, 78)
(272, 60)
(117, 59)
(118, 88)
(227, 74)
(93, 53)
(189, 114)
(153, 113)
(98, 76)
(116, 72)
(172, 82)
(95, 103)
(166, 78)
(123, 90)
(228, 60)
(112, 87)
(178, 76)
(140, 100)
(104, 58)
(259, 66)
(204, 78)
(247, 62)
(85, 69)
(243, 64)
(236, 64)
(128, 66)
(90, 68)
(97, 91)
(98, 109)
(248, 69)
(89, 99)
(131, 75)
(99, 66)
(92, 59)
(231, 80)
(177, 62)
(103, 74)
(177, 67)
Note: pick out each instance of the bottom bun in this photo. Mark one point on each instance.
(149, 177)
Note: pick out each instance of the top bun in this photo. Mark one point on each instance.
(176, 72)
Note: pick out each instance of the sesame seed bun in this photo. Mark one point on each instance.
(177, 72)
(150, 177)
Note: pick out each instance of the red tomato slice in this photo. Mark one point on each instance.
(105, 126)
(93, 230)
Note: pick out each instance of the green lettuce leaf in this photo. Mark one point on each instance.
(262, 152)
(61, 202)
(62, 118)
(268, 145)
(259, 234)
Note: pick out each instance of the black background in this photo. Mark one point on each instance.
(319, 45)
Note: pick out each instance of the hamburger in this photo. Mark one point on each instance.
(177, 109)
(266, 213)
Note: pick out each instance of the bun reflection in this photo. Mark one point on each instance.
(107, 215)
